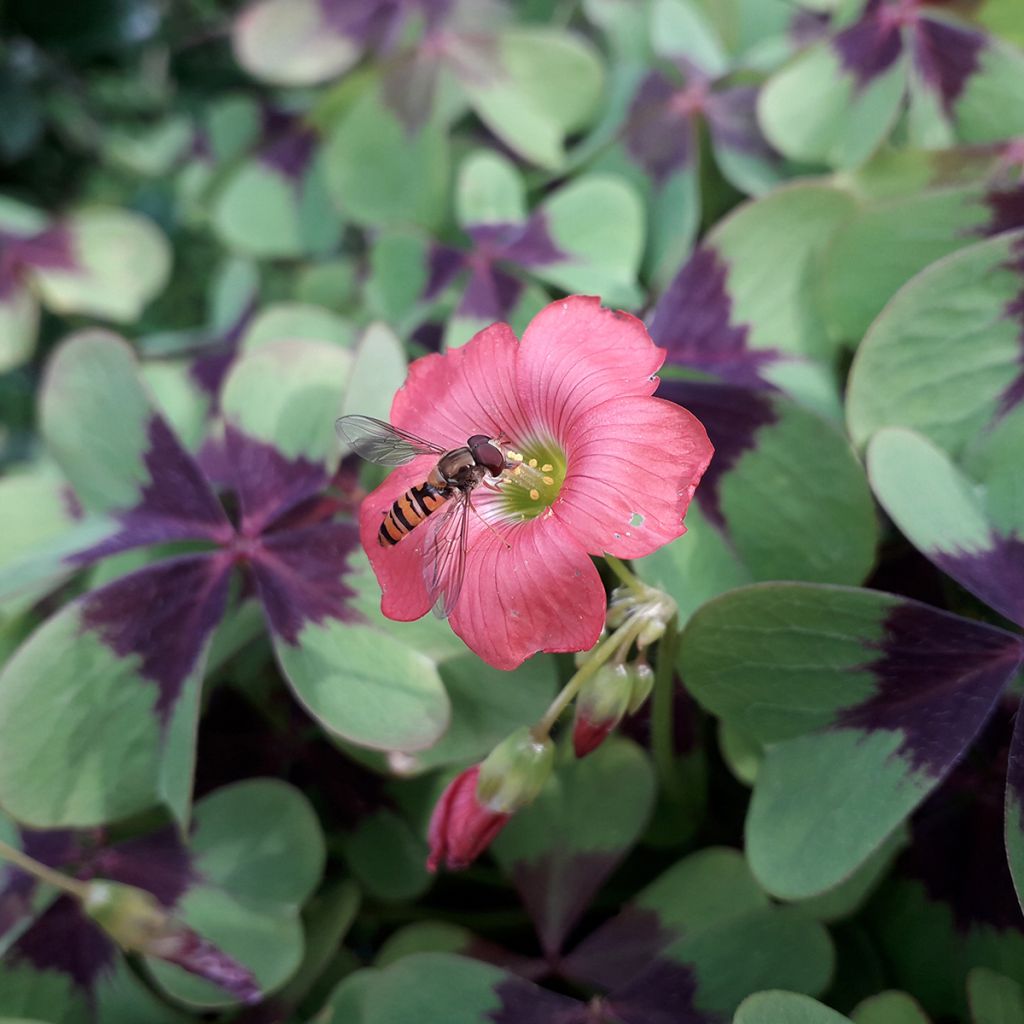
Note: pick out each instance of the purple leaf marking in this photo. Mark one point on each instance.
(957, 850)
(946, 56)
(50, 249)
(162, 614)
(175, 504)
(63, 940)
(288, 146)
(663, 994)
(300, 574)
(660, 128)
(557, 887)
(938, 678)
(872, 45)
(621, 949)
(732, 119)
(268, 484)
(443, 263)
(996, 574)
(524, 1003)
(157, 862)
(490, 295)
(1006, 210)
(732, 417)
(693, 321)
(527, 245)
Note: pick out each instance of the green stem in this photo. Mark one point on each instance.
(71, 886)
(662, 744)
(623, 636)
(626, 575)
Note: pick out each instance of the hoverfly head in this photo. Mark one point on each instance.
(486, 454)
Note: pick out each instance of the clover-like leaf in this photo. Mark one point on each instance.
(783, 498)
(741, 308)
(560, 849)
(538, 86)
(275, 203)
(786, 1008)
(994, 998)
(108, 689)
(381, 173)
(254, 855)
(959, 322)
(971, 529)
(118, 260)
(694, 924)
(840, 685)
(890, 1007)
(952, 891)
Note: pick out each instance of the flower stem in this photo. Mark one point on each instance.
(625, 575)
(622, 637)
(662, 710)
(45, 874)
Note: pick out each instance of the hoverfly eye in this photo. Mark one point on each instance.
(487, 455)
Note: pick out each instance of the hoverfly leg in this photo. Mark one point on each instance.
(488, 525)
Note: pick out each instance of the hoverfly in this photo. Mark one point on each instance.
(443, 501)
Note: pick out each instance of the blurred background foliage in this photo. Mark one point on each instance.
(817, 209)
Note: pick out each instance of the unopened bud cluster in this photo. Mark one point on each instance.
(605, 699)
(651, 609)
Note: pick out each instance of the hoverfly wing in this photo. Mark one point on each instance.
(444, 561)
(377, 441)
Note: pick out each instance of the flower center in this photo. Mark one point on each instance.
(533, 480)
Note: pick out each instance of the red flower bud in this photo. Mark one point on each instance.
(461, 827)
(587, 736)
(602, 701)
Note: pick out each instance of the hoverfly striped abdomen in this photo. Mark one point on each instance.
(408, 511)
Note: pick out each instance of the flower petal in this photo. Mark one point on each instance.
(576, 354)
(468, 390)
(536, 590)
(633, 467)
(399, 569)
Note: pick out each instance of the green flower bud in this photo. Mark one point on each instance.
(132, 917)
(515, 771)
(643, 682)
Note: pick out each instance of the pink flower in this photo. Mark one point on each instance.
(461, 827)
(605, 467)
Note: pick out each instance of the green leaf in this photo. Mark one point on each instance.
(122, 261)
(541, 85)
(19, 322)
(785, 1008)
(380, 173)
(598, 222)
(814, 673)
(288, 394)
(287, 42)
(378, 371)
(813, 111)
(944, 351)
(559, 850)
(258, 854)
(489, 190)
(891, 1007)
(297, 321)
(994, 998)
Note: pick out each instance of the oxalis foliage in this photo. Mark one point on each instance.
(786, 781)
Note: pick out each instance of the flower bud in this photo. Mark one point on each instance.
(643, 682)
(515, 771)
(461, 828)
(138, 923)
(601, 703)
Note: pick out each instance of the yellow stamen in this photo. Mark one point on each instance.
(546, 468)
(533, 463)
(549, 480)
(535, 495)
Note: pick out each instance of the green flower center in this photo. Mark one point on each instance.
(533, 479)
